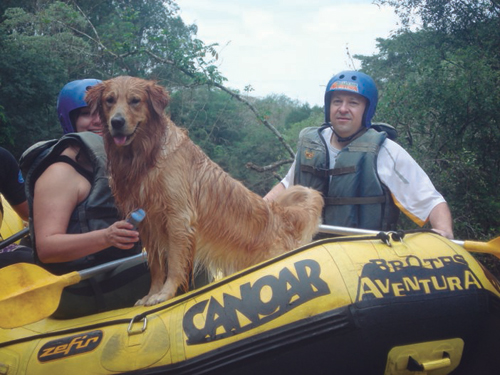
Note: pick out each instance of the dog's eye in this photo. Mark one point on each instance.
(110, 100)
(135, 100)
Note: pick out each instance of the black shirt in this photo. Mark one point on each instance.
(11, 180)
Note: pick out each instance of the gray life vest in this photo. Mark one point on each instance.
(353, 193)
(97, 211)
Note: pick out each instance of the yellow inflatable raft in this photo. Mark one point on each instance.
(11, 222)
(350, 305)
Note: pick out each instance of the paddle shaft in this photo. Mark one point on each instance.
(491, 247)
(344, 231)
(354, 231)
(90, 272)
(15, 237)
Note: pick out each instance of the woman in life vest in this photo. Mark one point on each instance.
(74, 221)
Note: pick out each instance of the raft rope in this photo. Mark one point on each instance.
(385, 237)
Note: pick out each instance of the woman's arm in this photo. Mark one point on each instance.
(57, 192)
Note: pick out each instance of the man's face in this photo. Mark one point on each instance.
(346, 112)
(87, 122)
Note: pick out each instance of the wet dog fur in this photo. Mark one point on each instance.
(196, 213)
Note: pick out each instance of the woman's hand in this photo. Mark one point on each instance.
(122, 235)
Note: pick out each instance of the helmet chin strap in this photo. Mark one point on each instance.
(351, 137)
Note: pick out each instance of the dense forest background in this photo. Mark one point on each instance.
(439, 87)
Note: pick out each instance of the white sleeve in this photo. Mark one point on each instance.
(411, 188)
(288, 180)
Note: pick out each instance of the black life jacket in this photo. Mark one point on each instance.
(97, 211)
(354, 195)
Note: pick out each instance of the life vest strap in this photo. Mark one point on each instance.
(337, 201)
(327, 172)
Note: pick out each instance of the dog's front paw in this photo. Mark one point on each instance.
(142, 301)
(157, 298)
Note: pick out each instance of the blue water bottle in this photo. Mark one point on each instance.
(136, 217)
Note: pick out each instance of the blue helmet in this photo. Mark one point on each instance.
(71, 97)
(356, 82)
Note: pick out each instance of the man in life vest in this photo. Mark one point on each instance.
(365, 177)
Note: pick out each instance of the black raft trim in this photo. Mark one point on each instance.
(182, 299)
(337, 338)
(331, 323)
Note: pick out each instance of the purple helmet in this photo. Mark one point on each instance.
(71, 97)
(356, 82)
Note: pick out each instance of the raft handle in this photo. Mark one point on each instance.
(385, 238)
(414, 365)
(134, 319)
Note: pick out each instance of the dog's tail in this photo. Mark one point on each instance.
(303, 207)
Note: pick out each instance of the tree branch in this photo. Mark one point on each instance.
(191, 74)
(269, 167)
(234, 95)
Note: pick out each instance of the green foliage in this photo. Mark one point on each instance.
(448, 16)
(315, 117)
(228, 133)
(37, 60)
(301, 113)
(289, 117)
(440, 87)
(211, 118)
(46, 44)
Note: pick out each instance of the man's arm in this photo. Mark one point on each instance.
(441, 220)
(282, 185)
(274, 192)
(22, 210)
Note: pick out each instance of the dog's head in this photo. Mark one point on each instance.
(127, 106)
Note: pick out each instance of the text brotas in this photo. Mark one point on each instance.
(381, 278)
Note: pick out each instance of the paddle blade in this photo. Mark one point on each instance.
(29, 293)
(491, 247)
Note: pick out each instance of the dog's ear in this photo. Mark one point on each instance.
(158, 98)
(93, 98)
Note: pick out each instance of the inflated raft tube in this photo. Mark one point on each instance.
(353, 305)
(11, 223)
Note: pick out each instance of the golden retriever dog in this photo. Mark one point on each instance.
(195, 212)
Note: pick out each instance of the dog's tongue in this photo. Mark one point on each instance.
(120, 140)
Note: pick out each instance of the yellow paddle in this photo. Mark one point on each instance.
(29, 293)
(491, 247)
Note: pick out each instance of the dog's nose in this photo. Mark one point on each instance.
(117, 122)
